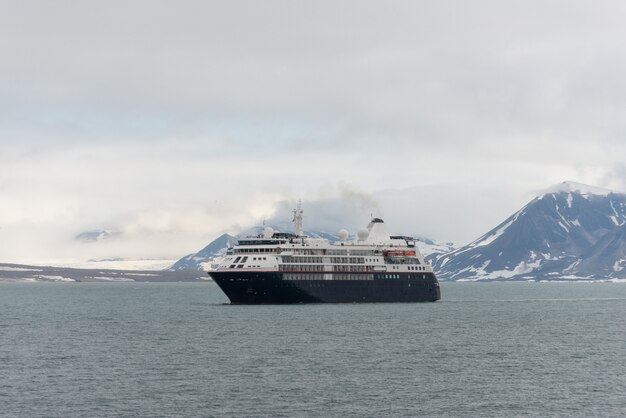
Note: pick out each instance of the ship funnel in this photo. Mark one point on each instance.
(378, 231)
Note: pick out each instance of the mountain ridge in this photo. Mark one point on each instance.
(554, 235)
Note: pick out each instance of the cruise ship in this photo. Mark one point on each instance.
(279, 268)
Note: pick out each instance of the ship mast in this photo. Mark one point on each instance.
(297, 219)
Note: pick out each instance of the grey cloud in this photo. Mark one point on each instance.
(615, 178)
(327, 214)
(458, 213)
(444, 71)
(111, 111)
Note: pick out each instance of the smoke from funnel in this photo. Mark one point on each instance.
(362, 199)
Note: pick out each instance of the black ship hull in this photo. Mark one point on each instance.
(273, 288)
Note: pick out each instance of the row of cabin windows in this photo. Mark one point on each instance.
(290, 259)
(255, 250)
(419, 268)
(339, 260)
(349, 260)
(350, 252)
(299, 276)
(361, 252)
(301, 267)
(308, 251)
(314, 267)
(353, 276)
(337, 252)
(275, 250)
(397, 276)
(389, 276)
(313, 276)
(347, 276)
(352, 268)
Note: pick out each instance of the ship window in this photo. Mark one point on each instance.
(237, 260)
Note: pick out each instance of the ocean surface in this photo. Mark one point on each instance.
(176, 349)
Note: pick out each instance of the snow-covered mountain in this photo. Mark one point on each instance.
(572, 231)
(212, 253)
(431, 249)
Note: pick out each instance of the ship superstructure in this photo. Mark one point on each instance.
(277, 267)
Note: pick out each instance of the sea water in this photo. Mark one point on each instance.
(176, 349)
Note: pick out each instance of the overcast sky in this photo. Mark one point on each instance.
(170, 122)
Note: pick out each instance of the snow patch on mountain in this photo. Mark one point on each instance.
(491, 237)
(429, 248)
(480, 273)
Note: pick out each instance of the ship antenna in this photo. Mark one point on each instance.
(297, 218)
